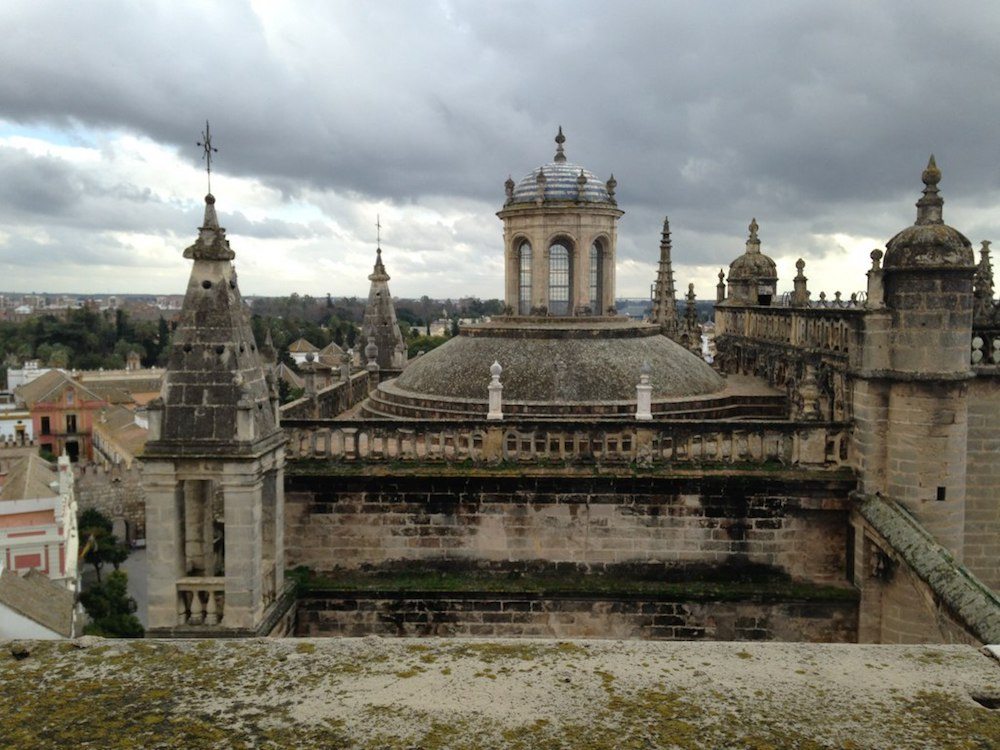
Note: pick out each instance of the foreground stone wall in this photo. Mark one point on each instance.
(793, 521)
(525, 615)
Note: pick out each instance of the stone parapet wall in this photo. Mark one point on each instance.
(794, 522)
(526, 615)
(330, 401)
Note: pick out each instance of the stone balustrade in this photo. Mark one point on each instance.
(985, 347)
(201, 600)
(648, 444)
(830, 329)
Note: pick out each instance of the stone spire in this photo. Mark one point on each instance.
(982, 305)
(560, 140)
(720, 288)
(930, 204)
(664, 296)
(215, 393)
(380, 326)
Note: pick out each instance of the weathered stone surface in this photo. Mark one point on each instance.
(370, 693)
(973, 605)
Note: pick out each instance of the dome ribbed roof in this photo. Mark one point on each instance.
(561, 184)
(560, 181)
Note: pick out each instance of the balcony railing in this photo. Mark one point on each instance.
(201, 601)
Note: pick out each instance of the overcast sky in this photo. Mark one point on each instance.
(815, 118)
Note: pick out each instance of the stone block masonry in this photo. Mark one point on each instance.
(793, 522)
(532, 615)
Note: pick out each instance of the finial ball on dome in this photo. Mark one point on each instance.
(931, 175)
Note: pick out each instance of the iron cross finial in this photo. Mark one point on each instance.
(378, 231)
(207, 150)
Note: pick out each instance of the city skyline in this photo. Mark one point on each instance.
(815, 120)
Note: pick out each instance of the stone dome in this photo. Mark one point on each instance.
(929, 243)
(560, 181)
(753, 264)
(562, 366)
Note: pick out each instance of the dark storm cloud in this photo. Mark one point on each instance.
(814, 117)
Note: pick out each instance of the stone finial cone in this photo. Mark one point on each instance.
(211, 220)
(560, 140)
(211, 243)
(930, 205)
(931, 175)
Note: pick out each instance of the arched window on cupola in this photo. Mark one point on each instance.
(596, 276)
(559, 278)
(524, 277)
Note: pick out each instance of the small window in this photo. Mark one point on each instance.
(71, 423)
(596, 276)
(559, 279)
(46, 426)
(524, 277)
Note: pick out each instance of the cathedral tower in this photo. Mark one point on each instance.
(213, 466)
(910, 398)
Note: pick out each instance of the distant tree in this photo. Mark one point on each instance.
(111, 609)
(454, 326)
(100, 546)
(424, 344)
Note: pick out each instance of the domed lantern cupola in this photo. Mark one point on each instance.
(929, 270)
(753, 277)
(560, 234)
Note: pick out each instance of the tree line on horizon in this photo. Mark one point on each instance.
(89, 339)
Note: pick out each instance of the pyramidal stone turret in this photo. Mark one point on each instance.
(380, 325)
(664, 295)
(215, 396)
(214, 463)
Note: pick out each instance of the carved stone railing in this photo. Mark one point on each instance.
(626, 442)
(201, 601)
(833, 329)
(985, 347)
